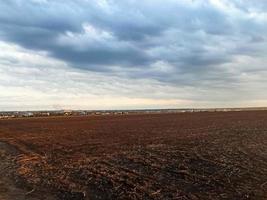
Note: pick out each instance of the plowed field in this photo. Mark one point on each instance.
(219, 155)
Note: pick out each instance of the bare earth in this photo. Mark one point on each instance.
(220, 155)
(9, 190)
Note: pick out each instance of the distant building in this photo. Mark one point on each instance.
(67, 112)
(27, 114)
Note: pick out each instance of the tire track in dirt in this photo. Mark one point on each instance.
(9, 188)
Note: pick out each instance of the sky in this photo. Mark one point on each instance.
(130, 54)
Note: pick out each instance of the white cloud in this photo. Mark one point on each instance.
(32, 80)
(111, 54)
(36, 81)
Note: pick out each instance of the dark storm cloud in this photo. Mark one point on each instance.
(191, 36)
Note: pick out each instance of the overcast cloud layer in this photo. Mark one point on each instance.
(101, 54)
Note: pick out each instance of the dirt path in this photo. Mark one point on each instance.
(8, 189)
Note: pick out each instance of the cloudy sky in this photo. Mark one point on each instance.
(125, 54)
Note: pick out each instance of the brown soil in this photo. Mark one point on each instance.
(147, 156)
(10, 188)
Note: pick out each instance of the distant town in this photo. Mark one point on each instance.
(54, 113)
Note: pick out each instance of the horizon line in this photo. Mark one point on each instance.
(142, 109)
